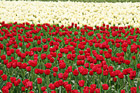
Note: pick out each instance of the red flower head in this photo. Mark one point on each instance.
(133, 89)
(5, 89)
(43, 56)
(56, 84)
(39, 80)
(127, 62)
(60, 75)
(133, 57)
(41, 71)
(68, 87)
(16, 83)
(75, 33)
(31, 92)
(9, 84)
(84, 72)
(97, 90)
(44, 40)
(51, 86)
(1, 72)
(3, 57)
(81, 83)
(53, 91)
(33, 63)
(23, 55)
(65, 75)
(36, 71)
(12, 79)
(45, 47)
(91, 72)
(105, 86)
(90, 33)
(105, 72)
(138, 65)
(99, 71)
(62, 65)
(86, 65)
(110, 68)
(4, 77)
(22, 88)
(8, 53)
(74, 91)
(28, 68)
(120, 75)
(114, 79)
(48, 65)
(75, 72)
(122, 91)
(55, 69)
(28, 84)
(86, 89)
(43, 88)
(47, 71)
(60, 82)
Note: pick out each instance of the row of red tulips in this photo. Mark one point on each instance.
(50, 59)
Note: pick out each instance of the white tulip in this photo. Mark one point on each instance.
(68, 12)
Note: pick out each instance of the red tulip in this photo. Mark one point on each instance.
(133, 89)
(43, 88)
(75, 72)
(5, 89)
(12, 79)
(105, 86)
(3, 57)
(122, 91)
(138, 65)
(91, 72)
(28, 84)
(1, 72)
(99, 71)
(47, 71)
(43, 56)
(120, 75)
(28, 68)
(86, 89)
(48, 65)
(133, 57)
(53, 91)
(55, 69)
(9, 84)
(56, 84)
(31, 92)
(105, 72)
(4, 77)
(114, 79)
(51, 86)
(39, 80)
(81, 83)
(22, 88)
(97, 90)
(127, 62)
(68, 87)
(62, 65)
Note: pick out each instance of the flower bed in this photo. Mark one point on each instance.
(57, 59)
(92, 14)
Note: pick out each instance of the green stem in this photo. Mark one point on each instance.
(39, 88)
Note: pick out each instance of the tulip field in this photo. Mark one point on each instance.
(85, 55)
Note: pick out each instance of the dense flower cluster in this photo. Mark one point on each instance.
(66, 12)
(52, 59)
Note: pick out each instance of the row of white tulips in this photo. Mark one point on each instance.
(66, 12)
